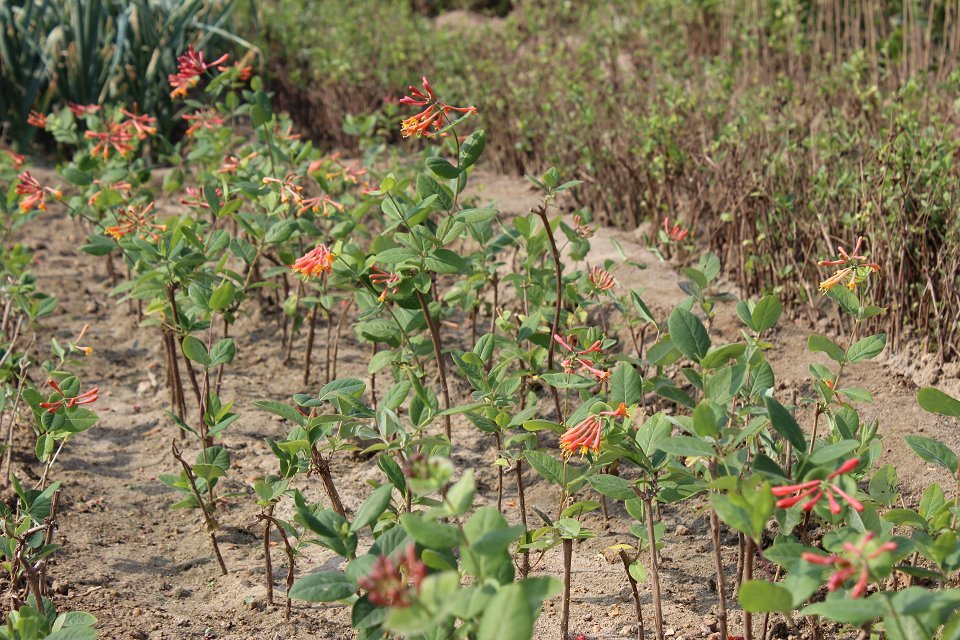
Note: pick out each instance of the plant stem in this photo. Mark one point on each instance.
(721, 587)
(323, 468)
(636, 594)
(267, 560)
(525, 562)
(748, 575)
(438, 352)
(542, 212)
(172, 298)
(565, 612)
(208, 519)
(291, 565)
(654, 571)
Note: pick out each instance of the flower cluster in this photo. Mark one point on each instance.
(388, 280)
(855, 563)
(576, 358)
(80, 110)
(137, 219)
(582, 230)
(36, 194)
(675, 233)
(315, 262)
(35, 119)
(395, 582)
(190, 66)
(433, 112)
(815, 490)
(585, 435)
(118, 136)
(87, 397)
(203, 119)
(601, 279)
(855, 269)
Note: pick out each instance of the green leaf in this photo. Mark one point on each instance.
(625, 385)
(785, 424)
(686, 446)
(471, 148)
(759, 596)
(222, 296)
(840, 608)
(830, 452)
(433, 535)
(549, 468)
(933, 452)
(328, 586)
(825, 345)
(508, 616)
(867, 348)
(442, 167)
(195, 350)
(766, 313)
(688, 334)
(612, 486)
(223, 352)
(932, 400)
(375, 504)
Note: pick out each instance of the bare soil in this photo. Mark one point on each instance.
(146, 571)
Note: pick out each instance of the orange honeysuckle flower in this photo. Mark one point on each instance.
(38, 120)
(117, 136)
(855, 269)
(433, 113)
(582, 230)
(570, 364)
(87, 397)
(15, 158)
(388, 280)
(36, 194)
(76, 343)
(319, 204)
(290, 191)
(80, 110)
(601, 279)
(142, 124)
(586, 435)
(814, 490)
(122, 187)
(855, 563)
(315, 263)
(196, 198)
(137, 220)
(676, 233)
(203, 119)
(232, 163)
(190, 66)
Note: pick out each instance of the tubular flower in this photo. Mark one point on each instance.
(582, 230)
(142, 124)
(190, 66)
(585, 435)
(203, 119)
(196, 198)
(433, 112)
(87, 397)
(601, 279)
(38, 120)
(319, 204)
(76, 343)
(315, 263)
(387, 280)
(15, 158)
(855, 563)
(232, 163)
(121, 187)
(855, 269)
(290, 191)
(814, 490)
(80, 110)
(36, 195)
(571, 363)
(395, 583)
(138, 220)
(117, 136)
(676, 233)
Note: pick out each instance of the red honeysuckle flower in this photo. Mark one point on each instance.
(814, 490)
(80, 110)
(117, 136)
(196, 197)
(137, 219)
(433, 113)
(855, 563)
(203, 119)
(190, 66)
(394, 582)
(290, 191)
(387, 280)
(142, 124)
(570, 364)
(586, 435)
(676, 233)
(854, 265)
(87, 397)
(36, 194)
(601, 279)
(315, 262)
(36, 119)
(15, 158)
(319, 204)
(582, 230)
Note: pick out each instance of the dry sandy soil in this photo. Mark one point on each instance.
(146, 571)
